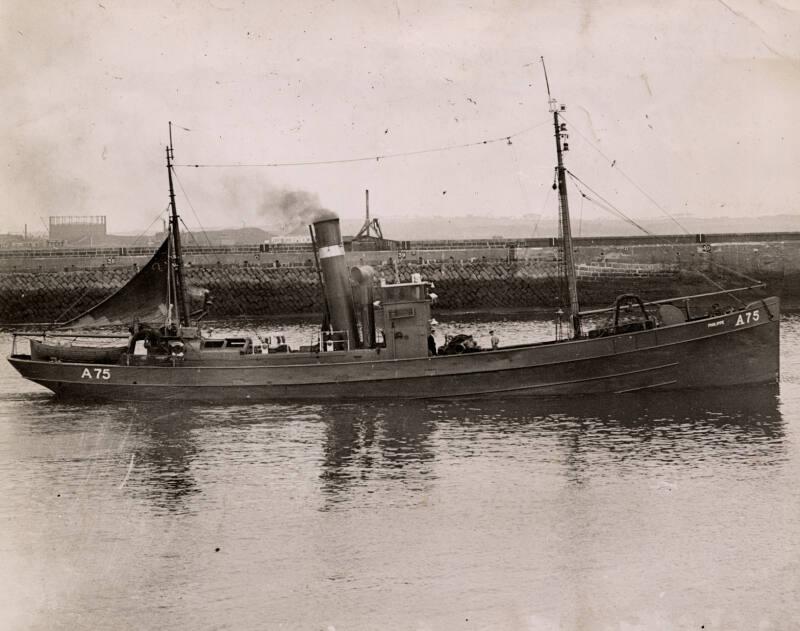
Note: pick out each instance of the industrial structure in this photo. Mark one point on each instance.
(73, 230)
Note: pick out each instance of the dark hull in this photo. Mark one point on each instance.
(735, 349)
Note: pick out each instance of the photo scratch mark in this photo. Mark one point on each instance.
(736, 13)
(752, 22)
(643, 77)
(128, 472)
(589, 121)
(772, 50)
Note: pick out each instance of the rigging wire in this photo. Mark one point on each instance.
(554, 287)
(523, 192)
(401, 154)
(605, 205)
(616, 166)
(222, 268)
(56, 322)
(526, 199)
(543, 210)
(205, 256)
(170, 279)
(730, 270)
(562, 257)
(194, 212)
(619, 213)
(157, 217)
(720, 287)
(557, 283)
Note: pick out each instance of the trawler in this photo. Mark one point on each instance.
(374, 340)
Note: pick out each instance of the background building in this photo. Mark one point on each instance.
(88, 231)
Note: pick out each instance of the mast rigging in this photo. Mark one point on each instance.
(177, 262)
(566, 230)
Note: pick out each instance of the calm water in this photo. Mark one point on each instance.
(658, 512)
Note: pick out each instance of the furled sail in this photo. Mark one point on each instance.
(143, 298)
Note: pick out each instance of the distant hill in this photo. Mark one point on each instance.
(225, 236)
(468, 227)
(472, 227)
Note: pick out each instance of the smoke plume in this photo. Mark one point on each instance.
(288, 210)
(278, 210)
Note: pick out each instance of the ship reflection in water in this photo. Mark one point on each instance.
(514, 514)
(403, 440)
(352, 443)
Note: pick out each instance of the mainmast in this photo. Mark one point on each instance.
(180, 293)
(561, 180)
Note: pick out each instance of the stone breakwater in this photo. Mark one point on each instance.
(249, 282)
(270, 291)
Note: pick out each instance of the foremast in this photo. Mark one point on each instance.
(177, 254)
(563, 202)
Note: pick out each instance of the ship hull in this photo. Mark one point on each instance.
(730, 350)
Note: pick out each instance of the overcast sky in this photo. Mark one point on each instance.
(696, 101)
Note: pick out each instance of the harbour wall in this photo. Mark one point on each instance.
(44, 286)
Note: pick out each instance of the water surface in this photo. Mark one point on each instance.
(665, 511)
